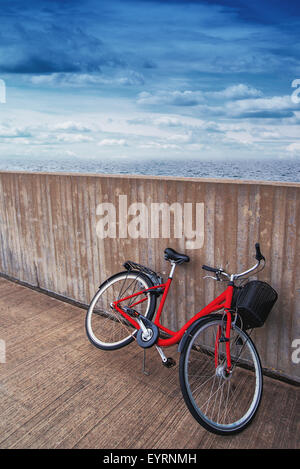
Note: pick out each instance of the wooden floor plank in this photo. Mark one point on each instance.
(58, 391)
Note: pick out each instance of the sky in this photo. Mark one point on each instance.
(140, 79)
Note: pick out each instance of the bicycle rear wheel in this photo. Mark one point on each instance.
(106, 328)
(222, 403)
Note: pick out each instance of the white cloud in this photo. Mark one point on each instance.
(269, 134)
(236, 92)
(196, 146)
(73, 126)
(73, 138)
(173, 98)
(160, 145)
(180, 138)
(275, 104)
(11, 131)
(241, 137)
(119, 78)
(294, 148)
(112, 142)
(194, 98)
(170, 121)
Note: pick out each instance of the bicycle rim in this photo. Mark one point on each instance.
(223, 403)
(105, 326)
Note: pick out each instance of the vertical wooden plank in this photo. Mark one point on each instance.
(263, 337)
(198, 257)
(288, 280)
(89, 240)
(103, 265)
(5, 225)
(271, 338)
(231, 229)
(20, 216)
(295, 307)
(243, 228)
(209, 259)
(82, 214)
(76, 229)
(55, 232)
(3, 229)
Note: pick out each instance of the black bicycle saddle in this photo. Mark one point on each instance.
(172, 255)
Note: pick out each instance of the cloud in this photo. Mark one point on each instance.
(72, 126)
(73, 138)
(294, 148)
(50, 48)
(54, 39)
(180, 138)
(273, 107)
(160, 145)
(11, 131)
(169, 121)
(236, 92)
(124, 78)
(244, 138)
(199, 97)
(44, 133)
(172, 98)
(112, 142)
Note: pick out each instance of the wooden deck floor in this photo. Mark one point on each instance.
(58, 391)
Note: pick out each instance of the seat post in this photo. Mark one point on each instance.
(173, 264)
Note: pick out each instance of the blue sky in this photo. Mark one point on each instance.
(150, 79)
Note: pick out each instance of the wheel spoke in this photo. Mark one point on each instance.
(224, 402)
(106, 326)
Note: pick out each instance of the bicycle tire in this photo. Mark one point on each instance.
(110, 321)
(201, 340)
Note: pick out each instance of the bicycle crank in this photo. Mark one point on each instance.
(148, 332)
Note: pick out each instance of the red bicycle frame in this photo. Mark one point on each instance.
(222, 301)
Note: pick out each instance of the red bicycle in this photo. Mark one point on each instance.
(220, 371)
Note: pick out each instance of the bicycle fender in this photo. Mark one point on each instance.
(139, 274)
(186, 335)
(190, 330)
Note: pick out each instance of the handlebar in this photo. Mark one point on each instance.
(259, 255)
(219, 271)
(211, 269)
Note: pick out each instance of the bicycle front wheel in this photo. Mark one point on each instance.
(222, 402)
(106, 328)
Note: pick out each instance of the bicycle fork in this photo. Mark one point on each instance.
(221, 338)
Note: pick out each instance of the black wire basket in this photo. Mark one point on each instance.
(253, 302)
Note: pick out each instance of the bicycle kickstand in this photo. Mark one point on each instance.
(147, 373)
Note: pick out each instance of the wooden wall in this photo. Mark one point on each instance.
(48, 238)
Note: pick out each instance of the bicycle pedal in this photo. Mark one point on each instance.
(169, 363)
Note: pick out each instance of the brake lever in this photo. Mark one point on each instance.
(217, 278)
